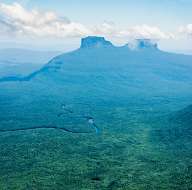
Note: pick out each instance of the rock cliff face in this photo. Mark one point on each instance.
(143, 44)
(146, 43)
(98, 42)
(93, 41)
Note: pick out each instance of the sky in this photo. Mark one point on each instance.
(60, 24)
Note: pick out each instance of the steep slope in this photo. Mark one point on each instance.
(175, 130)
(184, 116)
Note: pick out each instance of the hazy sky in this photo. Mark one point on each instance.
(60, 24)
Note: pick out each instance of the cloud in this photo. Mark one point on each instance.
(18, 21)
(145, 31)
(186, 30)
(140, 31)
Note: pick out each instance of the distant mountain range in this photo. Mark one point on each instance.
(20, 62)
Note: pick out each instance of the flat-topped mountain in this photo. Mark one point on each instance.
(143, 70)
(100, 42)
(94, 41)
(140, 44)
(109, 70)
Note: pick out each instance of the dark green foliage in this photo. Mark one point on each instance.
(133, 97)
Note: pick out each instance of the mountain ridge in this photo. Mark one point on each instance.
(145, 52)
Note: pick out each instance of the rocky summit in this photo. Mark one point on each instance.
(94, 41)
